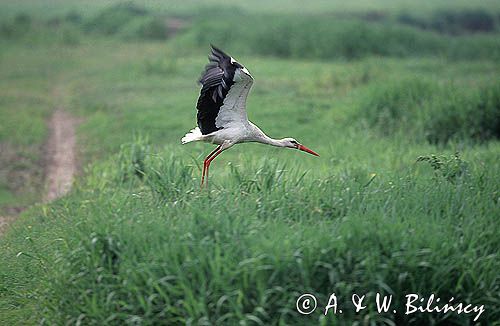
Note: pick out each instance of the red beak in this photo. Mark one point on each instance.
(305, 149)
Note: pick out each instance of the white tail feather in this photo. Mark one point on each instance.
(193, 135)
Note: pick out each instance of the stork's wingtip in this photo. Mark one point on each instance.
(213, 49)
(217, 51)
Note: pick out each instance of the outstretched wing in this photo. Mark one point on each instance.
(225, 86)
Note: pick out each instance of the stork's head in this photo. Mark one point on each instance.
(292, 143)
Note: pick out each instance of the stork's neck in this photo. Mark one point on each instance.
(265, 139)
(274, 142)
(261, 137)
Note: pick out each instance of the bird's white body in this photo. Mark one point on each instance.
(222, 115)
(244, 133)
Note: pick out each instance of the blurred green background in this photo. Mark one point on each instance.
(400, 98)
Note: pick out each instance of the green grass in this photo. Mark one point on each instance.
(160, 251)
(384, 209)
(50, 8)
(334, 37)
(455, 34)
(436, 113)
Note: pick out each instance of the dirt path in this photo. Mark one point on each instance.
(61, 155)
(4, 221)
(60, 161)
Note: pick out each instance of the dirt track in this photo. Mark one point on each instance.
(60, 160)
(61, 155)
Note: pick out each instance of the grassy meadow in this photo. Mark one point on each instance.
(401, 99)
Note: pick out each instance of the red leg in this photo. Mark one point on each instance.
(205, 164)
(220, 150)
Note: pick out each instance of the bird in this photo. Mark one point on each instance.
(221, 110)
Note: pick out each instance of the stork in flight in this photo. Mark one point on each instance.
(222, 117)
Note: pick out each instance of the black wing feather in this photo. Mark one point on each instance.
(216, 81)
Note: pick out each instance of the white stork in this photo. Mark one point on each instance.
(222, 117)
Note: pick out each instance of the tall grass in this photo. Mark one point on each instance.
(155, 249)
(333, 37)
(433, 112)
(318, 36)
(454, 21)
(129, 20)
